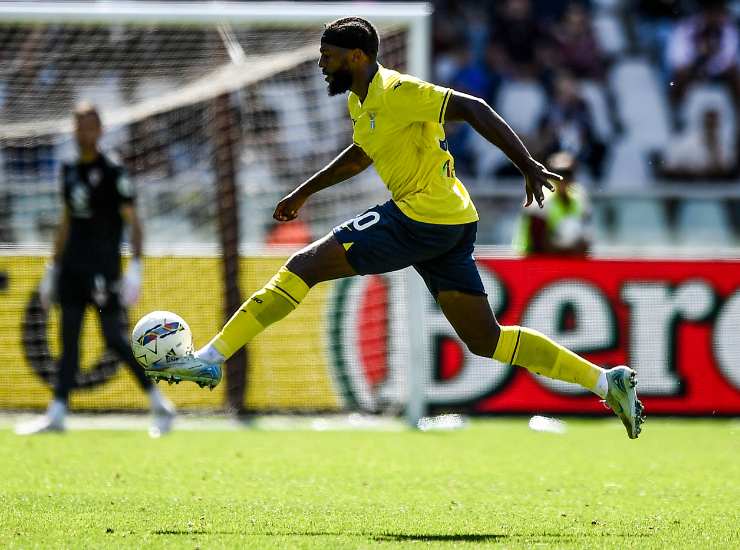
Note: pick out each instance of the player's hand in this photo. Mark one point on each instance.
(536, 176)
(48, 286)
(287, 209)
(131, 283)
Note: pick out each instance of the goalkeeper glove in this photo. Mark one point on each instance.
(48, 286)
(131, 284)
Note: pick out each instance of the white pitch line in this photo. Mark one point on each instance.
(216, 423)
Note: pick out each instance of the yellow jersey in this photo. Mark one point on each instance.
(399, 126)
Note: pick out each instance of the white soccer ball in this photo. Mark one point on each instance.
(160, 336)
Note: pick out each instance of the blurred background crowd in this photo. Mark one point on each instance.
(566, 73)
(641, 96)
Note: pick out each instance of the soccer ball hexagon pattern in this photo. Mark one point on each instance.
(160, 336)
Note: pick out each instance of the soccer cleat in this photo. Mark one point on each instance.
(188, 367)
(44, 424)
(164, 416)
(621, 397)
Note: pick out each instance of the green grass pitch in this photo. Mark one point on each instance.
(494, 484)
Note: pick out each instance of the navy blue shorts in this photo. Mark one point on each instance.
(384, 239)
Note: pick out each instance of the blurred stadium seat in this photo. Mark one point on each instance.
(600, 223)
(645, 113)
(520, 103)
(703, 222)
(609, 31)
(628, 167)
(639, 222)
(710, 96)
(593, 93)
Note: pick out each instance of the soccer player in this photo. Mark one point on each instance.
(86, 268)
(429, 224)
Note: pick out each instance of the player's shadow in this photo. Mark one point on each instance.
(386, 537)
(476, 537)
(489, 537)
(190, 532)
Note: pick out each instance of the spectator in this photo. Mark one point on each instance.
(448, 38)
(567, 125)
(579, 52)
(562, 226)
(475, 78)
(703, 47)
(551, 11)
(519, 42)
(653, 24)
(698, 153)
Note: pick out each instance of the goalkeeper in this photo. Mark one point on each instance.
(86, 268)
(429, 224)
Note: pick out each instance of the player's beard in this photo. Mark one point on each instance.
(341, 81)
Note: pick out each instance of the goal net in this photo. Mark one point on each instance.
(216, 111)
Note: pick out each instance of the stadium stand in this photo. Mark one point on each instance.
(506, 51)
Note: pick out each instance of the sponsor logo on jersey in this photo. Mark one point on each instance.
(95, 176)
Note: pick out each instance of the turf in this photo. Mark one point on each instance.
(494, 484)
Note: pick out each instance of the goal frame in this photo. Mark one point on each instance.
(415, 16)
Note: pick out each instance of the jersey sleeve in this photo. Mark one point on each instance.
(414, 100)
(63, 187)
(124, 186)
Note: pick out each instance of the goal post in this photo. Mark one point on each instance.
(217, 109)
(416, 16)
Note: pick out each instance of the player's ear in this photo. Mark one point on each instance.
(356, 55)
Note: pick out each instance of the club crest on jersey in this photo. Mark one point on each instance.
(160, 331)
(372, 121)
(94, 176)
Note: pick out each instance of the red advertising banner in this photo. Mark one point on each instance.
(676, 322)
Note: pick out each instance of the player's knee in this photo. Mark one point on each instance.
(297, 261)
(483, 347)
(301, 265)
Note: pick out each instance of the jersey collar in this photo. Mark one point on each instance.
(376, 84)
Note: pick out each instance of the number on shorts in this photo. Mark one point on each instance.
(366, 220)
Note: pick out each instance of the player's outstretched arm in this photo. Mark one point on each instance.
(129, 215)
(131, 282)
(488, 123)
(348, 163)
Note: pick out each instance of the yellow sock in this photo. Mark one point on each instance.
(523, 347)
(275, 300)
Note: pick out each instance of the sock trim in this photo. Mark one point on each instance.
(287, 294)
(516, 346)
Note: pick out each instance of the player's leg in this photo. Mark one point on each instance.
(454, 281)
(69, 362)
(111, 316)
(380, 240)
(474, 322)
(374, 242)
(320, 261)
(476, 325)
(72, 314)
